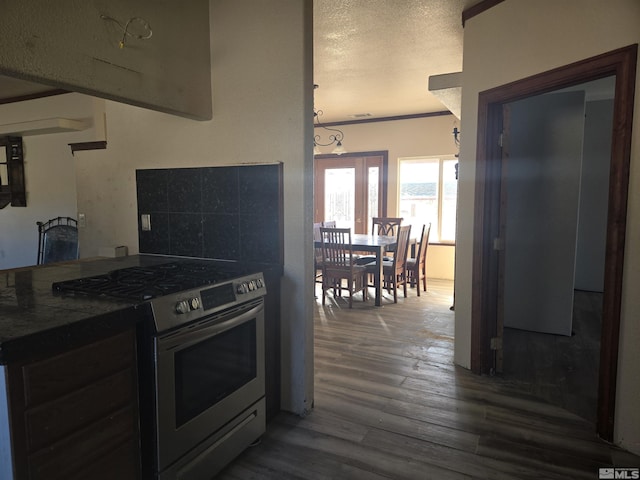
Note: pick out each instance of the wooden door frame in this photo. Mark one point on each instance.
(622, 64)
(383, 181)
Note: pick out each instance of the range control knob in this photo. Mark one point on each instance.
(242, 288)
(182, 307)
(194, 303)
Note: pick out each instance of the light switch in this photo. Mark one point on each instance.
(82, 220)
(145, 222)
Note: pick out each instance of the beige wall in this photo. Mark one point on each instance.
(430, 136)
(68, 45)
(262, 112)
(49, 171)
(514, 40)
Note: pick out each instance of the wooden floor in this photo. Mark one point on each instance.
(563, 370)
(391, 404)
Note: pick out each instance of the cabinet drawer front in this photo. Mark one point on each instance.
(54, 420)
(64, 373)
(109, 441)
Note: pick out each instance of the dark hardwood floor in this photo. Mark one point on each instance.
(391, 404)
(560, 369)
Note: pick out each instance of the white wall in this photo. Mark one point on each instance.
(515, 40)
(49, 171)
(594, 196)
(429, 136)
(262, 112)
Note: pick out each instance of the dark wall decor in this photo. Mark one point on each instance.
(230, 213)
(12, 184)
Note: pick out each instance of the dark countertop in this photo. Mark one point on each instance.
(35, 322)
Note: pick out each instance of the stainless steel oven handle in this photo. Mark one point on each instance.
(208, 328)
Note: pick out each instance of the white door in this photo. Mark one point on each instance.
(541, 177)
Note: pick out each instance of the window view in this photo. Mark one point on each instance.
(428, 193)
(340, 196)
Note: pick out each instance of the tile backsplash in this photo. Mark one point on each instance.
(231, 213)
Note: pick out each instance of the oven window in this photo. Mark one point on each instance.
(213, 369)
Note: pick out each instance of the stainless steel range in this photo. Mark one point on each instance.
(201, 361)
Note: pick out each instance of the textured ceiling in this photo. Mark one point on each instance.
(370, 56)
(375, 56)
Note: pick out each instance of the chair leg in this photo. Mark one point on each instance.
(404, 285)
(395, 288)
(424, 280)
(350, 285)
(365, 288)
(324, 291)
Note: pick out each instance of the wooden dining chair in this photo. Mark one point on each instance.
(338, 265)
(417, 267)
(387, 226)
(394, 270)
(317, 252)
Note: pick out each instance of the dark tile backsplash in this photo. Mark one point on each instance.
(231, 213)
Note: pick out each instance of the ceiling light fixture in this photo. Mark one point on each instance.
(335, 135)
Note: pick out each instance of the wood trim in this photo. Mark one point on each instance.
(33, 96)
(384, 174)
(388, 119)
(478, 9)
(622, 64)
(76, 147)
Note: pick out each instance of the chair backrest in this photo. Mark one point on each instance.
(57, 240)
(316, 238)
(337, 250)
(329, 224)
(400, 257)
(421, 254)
(386, 225)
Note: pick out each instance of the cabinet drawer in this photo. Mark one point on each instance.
(64, 373)
(109, 442)
(51, 421)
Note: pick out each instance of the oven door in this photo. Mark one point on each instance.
(207, 373)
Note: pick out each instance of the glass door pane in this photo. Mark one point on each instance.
(339, 196)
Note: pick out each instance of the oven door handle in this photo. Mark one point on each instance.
(207, 328)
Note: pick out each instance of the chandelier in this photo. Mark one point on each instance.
(334, 135)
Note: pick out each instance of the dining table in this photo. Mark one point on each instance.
(378, 245)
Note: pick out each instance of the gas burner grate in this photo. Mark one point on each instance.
(147, 282)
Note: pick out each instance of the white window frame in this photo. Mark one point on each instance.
(440, 159)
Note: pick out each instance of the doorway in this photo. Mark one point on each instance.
(350, 189)
(554, 203)
(486, 298)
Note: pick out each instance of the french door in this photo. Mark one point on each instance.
(350, 189)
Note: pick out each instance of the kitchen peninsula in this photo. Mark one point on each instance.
(68, 387)
(78, 391)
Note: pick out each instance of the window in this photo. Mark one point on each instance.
(428, 193)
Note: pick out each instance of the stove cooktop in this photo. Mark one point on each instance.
(142, 283)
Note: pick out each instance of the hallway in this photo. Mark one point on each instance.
(390, 404)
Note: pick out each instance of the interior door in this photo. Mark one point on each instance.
(541, 190)
(349, 189)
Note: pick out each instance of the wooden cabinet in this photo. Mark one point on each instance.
(75, 415)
